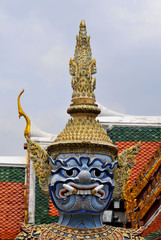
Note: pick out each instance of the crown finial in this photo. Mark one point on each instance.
(82, 24)
(82, 67)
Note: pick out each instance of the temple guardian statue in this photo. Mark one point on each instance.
(77, 169)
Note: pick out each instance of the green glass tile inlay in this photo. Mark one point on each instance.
(135, 134)
(12, 174)
(42, 207)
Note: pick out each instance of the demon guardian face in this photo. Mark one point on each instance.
(81, 183)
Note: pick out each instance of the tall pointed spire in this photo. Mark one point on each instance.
(82, 67)
(83, 133)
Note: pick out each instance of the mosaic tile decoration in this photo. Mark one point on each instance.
(55, 231)
(11, 201)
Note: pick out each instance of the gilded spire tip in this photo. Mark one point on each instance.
(82, 24)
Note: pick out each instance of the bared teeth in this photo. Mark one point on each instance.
(72, 190)
(81, 192)
(84, 192)
(88, 191)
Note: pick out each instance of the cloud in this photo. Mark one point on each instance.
(54, 58)
(138, 23)
(6, 84)
(34, 49)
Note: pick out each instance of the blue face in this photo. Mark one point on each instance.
(81, 183)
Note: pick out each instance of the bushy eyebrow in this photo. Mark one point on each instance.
(72, 165)
(91, 162)
(110, 166)
(102, 163)
(61, 162)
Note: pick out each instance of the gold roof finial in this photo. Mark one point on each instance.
(83, 133)
(21, 113)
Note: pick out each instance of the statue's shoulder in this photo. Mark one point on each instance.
(124, 233)
(56, 231)
(35, 231)
(113, 233)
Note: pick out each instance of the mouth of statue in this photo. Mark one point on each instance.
(72, 189)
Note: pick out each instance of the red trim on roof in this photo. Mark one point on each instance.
(154, 226)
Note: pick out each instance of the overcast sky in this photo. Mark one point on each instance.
(37, 39)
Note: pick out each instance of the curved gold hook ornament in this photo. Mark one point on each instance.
(21, 113)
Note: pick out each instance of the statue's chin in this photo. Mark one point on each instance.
(85, 204)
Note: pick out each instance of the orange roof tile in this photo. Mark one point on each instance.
(52, 210)
(12, 209)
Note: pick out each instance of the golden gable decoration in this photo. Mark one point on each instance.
(135, 210)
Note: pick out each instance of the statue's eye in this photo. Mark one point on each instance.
(96, 173)
(70, 172)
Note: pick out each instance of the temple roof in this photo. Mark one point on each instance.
(125, 137)
(106, 112)
(108, 119)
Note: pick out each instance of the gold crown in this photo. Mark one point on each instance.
(83, 133)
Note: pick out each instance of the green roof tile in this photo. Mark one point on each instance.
(42, 207)
(135, 134)
(9, 174)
